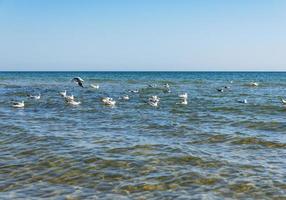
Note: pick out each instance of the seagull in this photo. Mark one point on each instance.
(18, 104)
(219, 90)
(108, 101)
(73, 102)
(254, 84)
(36, 97)
(242, 101)
(183, 96)
(79, 81)
(125, 97)
(94, 86)
(63, 94)
(153, 101)
(134, 91)
(283, 101)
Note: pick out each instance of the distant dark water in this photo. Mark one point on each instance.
(212, 148)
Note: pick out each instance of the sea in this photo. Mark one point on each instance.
(215, 147)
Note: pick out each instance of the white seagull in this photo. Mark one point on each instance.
(134, 91)
(242, 101)
(18, 104)
(254, 84)
(36, 97)
(108, 101)
(283, 101)
(73, 102)
(125, 97)
(94, 86)
(79, 81)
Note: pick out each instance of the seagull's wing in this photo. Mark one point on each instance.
(80, 84)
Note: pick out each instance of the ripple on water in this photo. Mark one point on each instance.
(212, 148)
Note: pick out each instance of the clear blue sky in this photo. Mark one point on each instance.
(142, 35)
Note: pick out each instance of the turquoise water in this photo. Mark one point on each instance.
(212, 148)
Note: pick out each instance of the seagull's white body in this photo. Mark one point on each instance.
(283, 101)
(63, 94)
(183, 96)
(36, 97)
(72, 102)
(18, 104)
(242, 101)
(134, 91)
(108, 101)
(125, 97)
(254, 84)
(94, 86)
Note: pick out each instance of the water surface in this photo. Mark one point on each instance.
(213, 148)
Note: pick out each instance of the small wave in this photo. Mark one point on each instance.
(257, 141)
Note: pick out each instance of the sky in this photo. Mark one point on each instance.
(139, 35)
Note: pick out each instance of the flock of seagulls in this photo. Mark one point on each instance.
(153, 101)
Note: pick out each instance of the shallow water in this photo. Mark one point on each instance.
(212, 148)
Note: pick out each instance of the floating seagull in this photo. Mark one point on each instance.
(18, 104)
(283, 101)
(79, 81)
(219, 90)
(183, 96)
(108, 101)
(125, 97)
(73, 102)
(36, 97)
(153, 101)
(63, 94)
(94, 86)
(133, 91)
(254, 84)
(226, 87)
(242, 101)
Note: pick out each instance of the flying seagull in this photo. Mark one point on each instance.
(79, 81)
